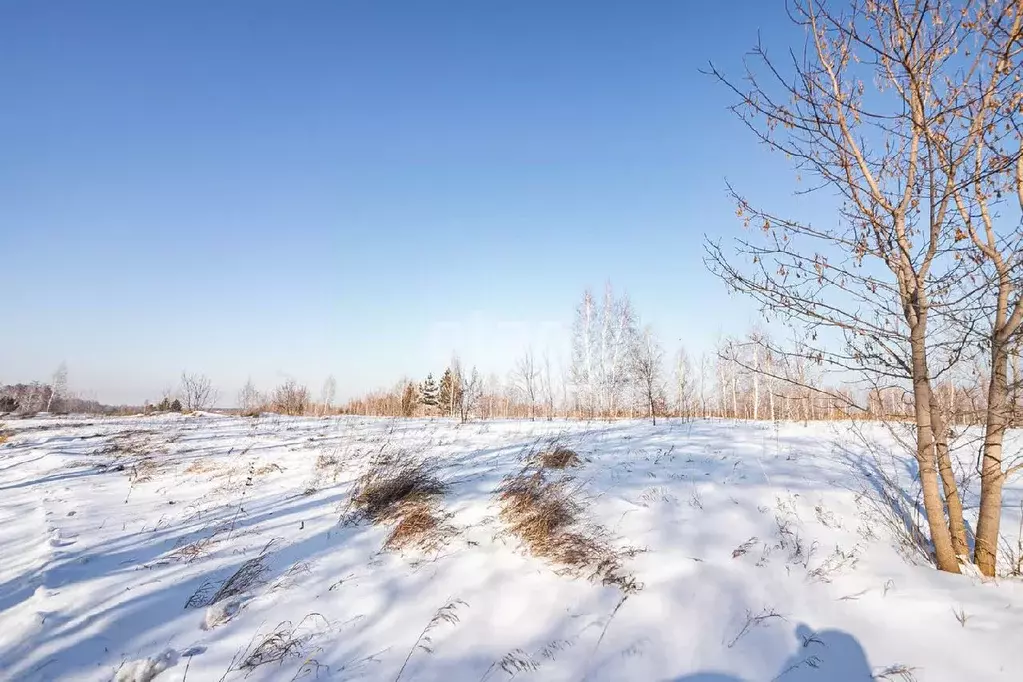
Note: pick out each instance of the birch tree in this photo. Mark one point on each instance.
(647, 361)
(58, 386)
(327, 394)
(584, 338)
(526, 379)
(683, 384)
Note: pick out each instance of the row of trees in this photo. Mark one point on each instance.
(53, 396)
(457, 394)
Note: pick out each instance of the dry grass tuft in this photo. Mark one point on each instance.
(248, 575)
(403, 491)
(546, 515)
(391, 483)
(419, 525)
(559, 458)
(325, 461)
(195, 550)
(267, 468)
(286, 641)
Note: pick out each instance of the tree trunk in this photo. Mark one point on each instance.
(941, 538)
(954, 504)
(991, 475)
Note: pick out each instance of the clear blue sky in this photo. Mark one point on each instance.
(359, 188)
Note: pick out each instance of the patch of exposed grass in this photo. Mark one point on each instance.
(558, 457)
(392, 482)
(403, 491)
(267, 468)
(420, 525)
(546, 514)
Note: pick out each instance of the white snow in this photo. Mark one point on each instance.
(221, 612)
(766, 556)
(146, 669)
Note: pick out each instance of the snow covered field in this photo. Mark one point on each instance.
(208, 547)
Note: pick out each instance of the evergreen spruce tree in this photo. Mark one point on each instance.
(176, 405)
(428, 392)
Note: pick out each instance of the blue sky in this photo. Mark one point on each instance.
(295, 189)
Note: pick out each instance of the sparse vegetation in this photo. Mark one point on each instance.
(559, 457)
(445, 614)
(403, 491)
(545, 512)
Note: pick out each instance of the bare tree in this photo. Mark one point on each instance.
(197, 392)
(58, 387)
(647, 361)
(290, 398)
(584, 351)
(702, 377)
(468, 397)
(327, 393)
(525, 378)
(988, 108)
(450, 395)
(546, 381)
(881, 108)
(249, 398)
(684, 384)
(601, 343)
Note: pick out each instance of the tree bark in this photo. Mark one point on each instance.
(941, 537)
(992, 477)
(953, 502)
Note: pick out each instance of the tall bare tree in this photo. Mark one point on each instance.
(248, 397)
(602, 339)
(471, 392)
(327, 394)
(683, 384)
(648, 370)
(526, 377)
(877, 109)
(58, 386)
(547, 386)
(988, 165)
